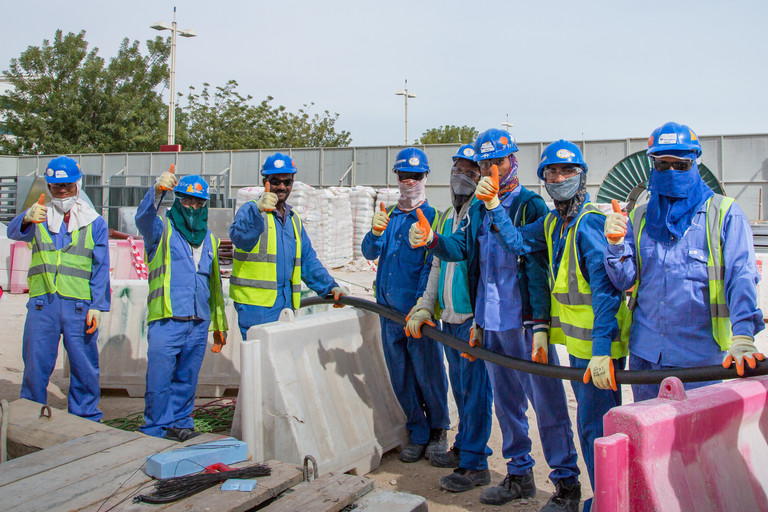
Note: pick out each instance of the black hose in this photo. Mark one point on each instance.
(697, 374)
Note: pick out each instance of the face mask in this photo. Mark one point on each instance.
(64, 205)
(565, 189)
(461, 185)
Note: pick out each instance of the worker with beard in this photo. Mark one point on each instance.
(688, 252)
(448, 288)
(415, 366)
(68, 288)
(273, 253)
(185, 301)
(512, 315)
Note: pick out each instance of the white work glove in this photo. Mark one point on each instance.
(540, 346)
(615, 225)
(268, 200)
(417, 317)
(380, 220)
(93, 320)
(475, 340)
(742, 349)
(601, 369)
(37, 211)
(339, 291)
(421, 233)
(488, 189)
(165, 182)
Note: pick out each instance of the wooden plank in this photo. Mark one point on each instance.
(28, 432)
(284, 476)
(39, 492)
(58, 455)
(329, 493)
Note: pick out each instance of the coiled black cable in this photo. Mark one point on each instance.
(696, 374)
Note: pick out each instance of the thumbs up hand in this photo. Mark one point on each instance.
(488, 189)
(380, 220)
(421, 233)
(615, 225)
(268, 200)
(37, 212)
(167, 180)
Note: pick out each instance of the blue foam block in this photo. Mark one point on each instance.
(238, 484)
(192, 459)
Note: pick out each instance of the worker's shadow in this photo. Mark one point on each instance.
(715, 462)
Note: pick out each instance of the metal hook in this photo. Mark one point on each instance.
(45, 411)
(308, 458)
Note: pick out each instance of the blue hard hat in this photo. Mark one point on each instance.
(467, 152)
(63, 169)
(278, 164)
(494, 143)
(193, 186)
(560, 152)
(673, 137)
(411, 160)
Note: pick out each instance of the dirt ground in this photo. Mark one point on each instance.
(419, 478)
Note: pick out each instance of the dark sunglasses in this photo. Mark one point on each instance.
(682, 165)
(277, 181)
(405, 175)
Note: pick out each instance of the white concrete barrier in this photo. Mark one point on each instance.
(318, 385)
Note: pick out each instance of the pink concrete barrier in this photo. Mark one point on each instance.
(121, 260)
(21, 255)
(702, 450)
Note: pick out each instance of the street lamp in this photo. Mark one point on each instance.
(506, 124)
(406, 95)
(188, 32)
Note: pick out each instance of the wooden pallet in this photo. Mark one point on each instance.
(102, 470)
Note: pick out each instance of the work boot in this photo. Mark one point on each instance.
(565, 499)
(513, 487)
(180, 434)
(462, 479)
(438, 442)
(412, 453)
(449, 459)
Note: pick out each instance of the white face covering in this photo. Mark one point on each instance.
(64, 205)
(412, 194)
(79, 207)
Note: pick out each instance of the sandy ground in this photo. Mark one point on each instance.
(419, 478)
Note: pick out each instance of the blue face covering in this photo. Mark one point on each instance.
(675, 198)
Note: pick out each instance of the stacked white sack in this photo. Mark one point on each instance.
(362, 202)
(246, 194)
(388, 196)
(327, 219)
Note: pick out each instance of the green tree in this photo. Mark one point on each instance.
(221, 118)
(448, 134)
(66, 100)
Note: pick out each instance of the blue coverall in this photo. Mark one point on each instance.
(470, 382)
(176, 345)
(494, 273)
(416, 367)
(672, 324)
(50, 316)
(592, 402)
(245, 232)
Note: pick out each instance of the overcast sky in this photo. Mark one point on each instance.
(558, 69)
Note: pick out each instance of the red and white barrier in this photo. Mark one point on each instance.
(702, 450)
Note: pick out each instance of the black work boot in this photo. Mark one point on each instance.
(565, 499)
(438, 442)
(513, 487)
(412, 453)
(180, 434)
(449, 459)
(462, 479)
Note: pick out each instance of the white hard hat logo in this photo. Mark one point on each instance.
(469, 152)
(279, 164)
(49, 172)
(413, 162)
(564, 153)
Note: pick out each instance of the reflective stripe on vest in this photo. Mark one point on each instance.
(254, 273)
(572, 316)
(66, 271)
(717, 207)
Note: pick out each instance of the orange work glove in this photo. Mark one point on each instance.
(380, 220)
(488, 189)
(615, 225)
(742, 350)
(37, 212)
(601, 370)
(475, 340)
(421, 232)
(219, 340)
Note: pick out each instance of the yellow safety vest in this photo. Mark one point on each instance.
(717, 207)
(572, 316)
(254, 273)
(159, 299)
(66, 271)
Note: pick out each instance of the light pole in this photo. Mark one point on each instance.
(188, 32)
(406, 95)
(506, 124)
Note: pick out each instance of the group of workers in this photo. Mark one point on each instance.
(498, 269)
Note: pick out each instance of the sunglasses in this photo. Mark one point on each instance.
(487, 164)
(275, 182)
(405, 175)
(680, 165)
(191, 201)
(566, 172)
(466, 172)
